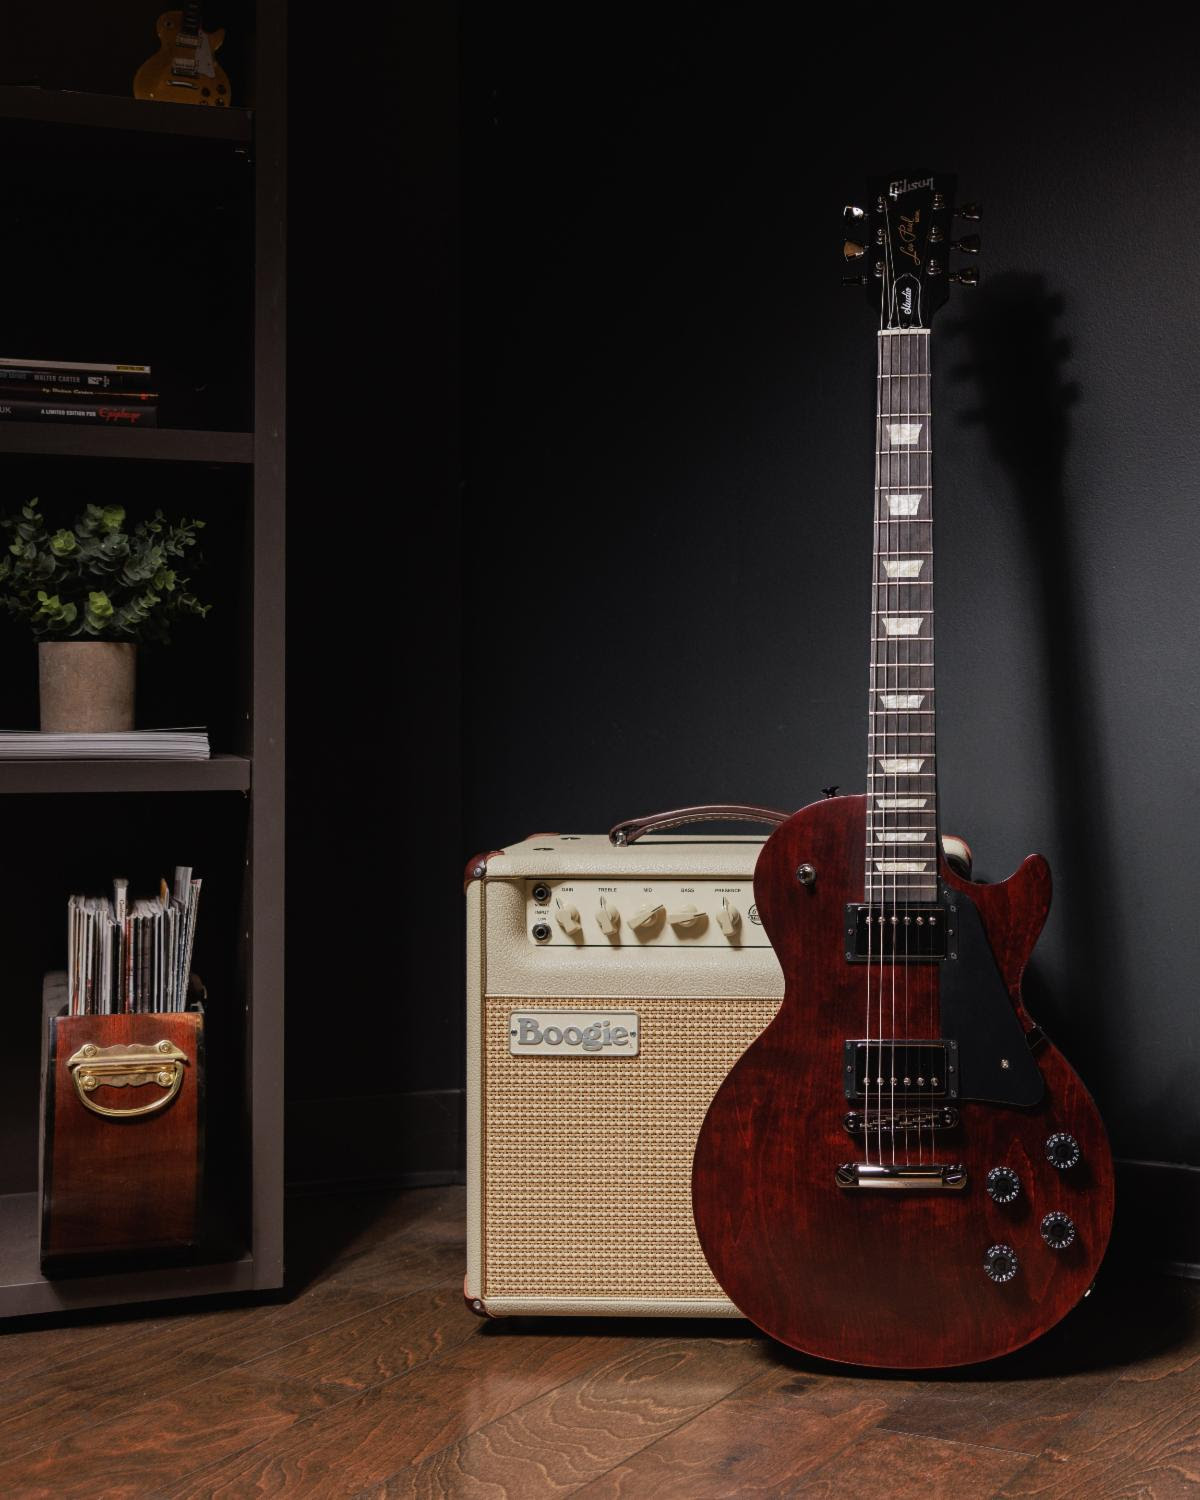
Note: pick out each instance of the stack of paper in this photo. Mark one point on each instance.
(132, 956)
(133, 744)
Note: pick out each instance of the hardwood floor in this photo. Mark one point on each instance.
(373, 1381)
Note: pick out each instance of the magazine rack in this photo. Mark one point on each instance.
(122, 1133)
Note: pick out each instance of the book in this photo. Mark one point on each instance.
(66, 393)
(99, 413)
(190, 743)
(125, 956)
(83, 367)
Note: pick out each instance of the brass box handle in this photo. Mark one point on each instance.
(127, 1065)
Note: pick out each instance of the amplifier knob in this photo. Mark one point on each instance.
(1058, 1230)
(608, 918)
(567, 918)
(647, 915)
(1003, 1185)
(684, 916)
(1062, 1151)
(729, 919)
(1000, 1262)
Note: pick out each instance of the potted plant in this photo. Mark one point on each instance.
(91, 593)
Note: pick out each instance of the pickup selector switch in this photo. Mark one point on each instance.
(1003, 1185)
(1058, 1230)
(1000, 1262)
(1062, 1151)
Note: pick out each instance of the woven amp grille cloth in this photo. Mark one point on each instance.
(588, 1160)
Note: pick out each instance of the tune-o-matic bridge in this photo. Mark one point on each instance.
(899, 934)
(886, 1068)
(894, 1121)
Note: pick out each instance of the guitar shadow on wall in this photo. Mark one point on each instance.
(1016, 357)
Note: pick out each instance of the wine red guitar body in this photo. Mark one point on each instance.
(894, 1277)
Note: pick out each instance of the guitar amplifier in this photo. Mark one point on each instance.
(612, 982)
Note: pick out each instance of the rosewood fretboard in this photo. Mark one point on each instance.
(902, 837)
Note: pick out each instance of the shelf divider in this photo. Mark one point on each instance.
(113, 112)
(223, 773)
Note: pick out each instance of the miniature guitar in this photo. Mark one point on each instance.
(183, 70)
(902, 1171)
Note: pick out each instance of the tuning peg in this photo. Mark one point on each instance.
(970, 211)
(968, 244)
(852, 250)
(853, 214)
(968, 276)
(854, 280)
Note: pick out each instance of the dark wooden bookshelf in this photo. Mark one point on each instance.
(173, 445)
(70, 816)
(111, 112)
(223, 773)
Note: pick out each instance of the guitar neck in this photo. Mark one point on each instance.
(189, 22)
(902, 836)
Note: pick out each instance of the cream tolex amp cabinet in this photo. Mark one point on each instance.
(612, 982)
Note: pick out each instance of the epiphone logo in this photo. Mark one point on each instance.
(908, 235)
(898, 188)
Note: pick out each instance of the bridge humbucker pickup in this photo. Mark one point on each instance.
(901, 934)
(894, 1070)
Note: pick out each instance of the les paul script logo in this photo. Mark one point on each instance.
(908, 235)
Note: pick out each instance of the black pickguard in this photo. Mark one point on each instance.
(978, 1014)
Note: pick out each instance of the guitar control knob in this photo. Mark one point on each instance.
(684, 916)
(647, 915)
(1058, 1230)
(567, 918)
(1062, 1151)
(729, 919)
(1000, 1263)
(1003, 1185)
(609, 919)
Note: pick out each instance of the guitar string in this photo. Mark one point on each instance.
(871, 685)
(885, 640)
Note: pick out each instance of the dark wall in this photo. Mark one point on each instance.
(669, 464)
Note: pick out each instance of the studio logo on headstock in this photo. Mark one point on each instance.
(907, 307)
(902, 185)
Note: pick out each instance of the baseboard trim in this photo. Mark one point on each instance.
(1158, 1217)
(390, 1141)
(376, 1141)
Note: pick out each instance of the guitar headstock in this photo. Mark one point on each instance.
(900, 246)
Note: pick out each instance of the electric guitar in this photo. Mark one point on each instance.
(183, 70)
(902, 1171)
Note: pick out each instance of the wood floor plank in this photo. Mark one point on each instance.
(1140, 1438)
(160, 1438)
(893, 1463)
(760, 1441)
(98, 1386)
(375, 1346)
(1021, 1415)
(580, 1430)
(368, 1437)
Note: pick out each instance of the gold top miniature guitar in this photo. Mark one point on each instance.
(184, 70)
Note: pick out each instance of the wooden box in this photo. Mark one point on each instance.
(122, 1133)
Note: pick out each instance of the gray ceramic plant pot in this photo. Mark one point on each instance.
(86, 685)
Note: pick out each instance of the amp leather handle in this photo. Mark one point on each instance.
(710, 812)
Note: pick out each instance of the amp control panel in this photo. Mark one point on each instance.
(643, 913)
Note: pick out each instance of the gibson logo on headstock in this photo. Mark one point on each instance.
(908, 235)
(902, 186)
